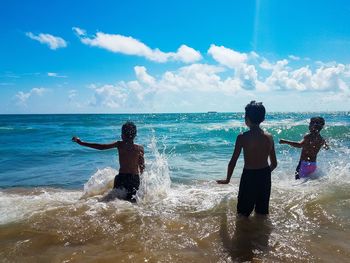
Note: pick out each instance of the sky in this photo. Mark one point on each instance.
(159, 56)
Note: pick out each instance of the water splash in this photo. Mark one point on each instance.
(100, 182)
(155, 181)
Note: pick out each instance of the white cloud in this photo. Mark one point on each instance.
(248, 76)
(292, 57)
(72, 94)
(79, 31)
(329, 78)
(52, 41)
(324, 78)
(226, 56)
(267, 65)
(131, 46)
(143, 76)
(55, 75)
(109, 96)
(23, 97)
(186, 54)
(198, 86)
(188, 85)
(148, 91)
(253, 54)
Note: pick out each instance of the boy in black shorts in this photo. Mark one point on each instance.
(131, 160)
(258, 147)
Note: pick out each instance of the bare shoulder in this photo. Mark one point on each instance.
(308, 136)
(139, 147)
(268, 136)
(118, 144)
(241, 136)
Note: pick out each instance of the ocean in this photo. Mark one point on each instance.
(50, 191)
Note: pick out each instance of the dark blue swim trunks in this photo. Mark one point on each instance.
(128, 182)
(254, 191)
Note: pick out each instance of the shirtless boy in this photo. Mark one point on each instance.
(131, 160)
(310, 146)
(258, 146)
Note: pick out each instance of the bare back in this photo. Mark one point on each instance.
(257, 146)
(311, 145)
(131, 158)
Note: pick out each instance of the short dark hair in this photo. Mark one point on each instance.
(255, 112)
(318, 122)
(129, 130)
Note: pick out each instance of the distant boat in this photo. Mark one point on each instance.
(212, 112)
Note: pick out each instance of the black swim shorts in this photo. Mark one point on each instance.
(129, 183)
(254, 191)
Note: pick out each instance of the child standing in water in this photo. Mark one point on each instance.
(311, 145)
(131, 160)
(258, 146)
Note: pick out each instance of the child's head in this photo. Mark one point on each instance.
(316, 124)
(255, 112)
(129, 131)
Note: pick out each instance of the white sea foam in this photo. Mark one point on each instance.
(19, 206)
(100, 183)
(154, 185)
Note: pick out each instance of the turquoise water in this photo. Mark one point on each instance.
(36, 150)
(50, 189)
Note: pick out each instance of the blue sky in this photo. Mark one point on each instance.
(173, 56)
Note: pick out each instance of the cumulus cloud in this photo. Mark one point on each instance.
(324, 78)
(186, 54)
(148, 91)
(22, 97)
(130, 46)
(233, 75)
(53, 42)
(227, 57)
(204, 83)
(110, 96)
(143, 76)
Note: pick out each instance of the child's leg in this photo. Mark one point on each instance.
(246, 195)
(263, 191)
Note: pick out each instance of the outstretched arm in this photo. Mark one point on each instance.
(291, 143)
(232, 164)
(97, 146)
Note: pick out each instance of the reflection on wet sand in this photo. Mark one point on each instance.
(249, 240)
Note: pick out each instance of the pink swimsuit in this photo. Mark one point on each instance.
(306, 168)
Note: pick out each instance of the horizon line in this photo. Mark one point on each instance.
(150, 113)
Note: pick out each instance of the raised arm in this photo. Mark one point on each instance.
(293, 144)
(232, 164)
(97, 146)
(272, 156)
